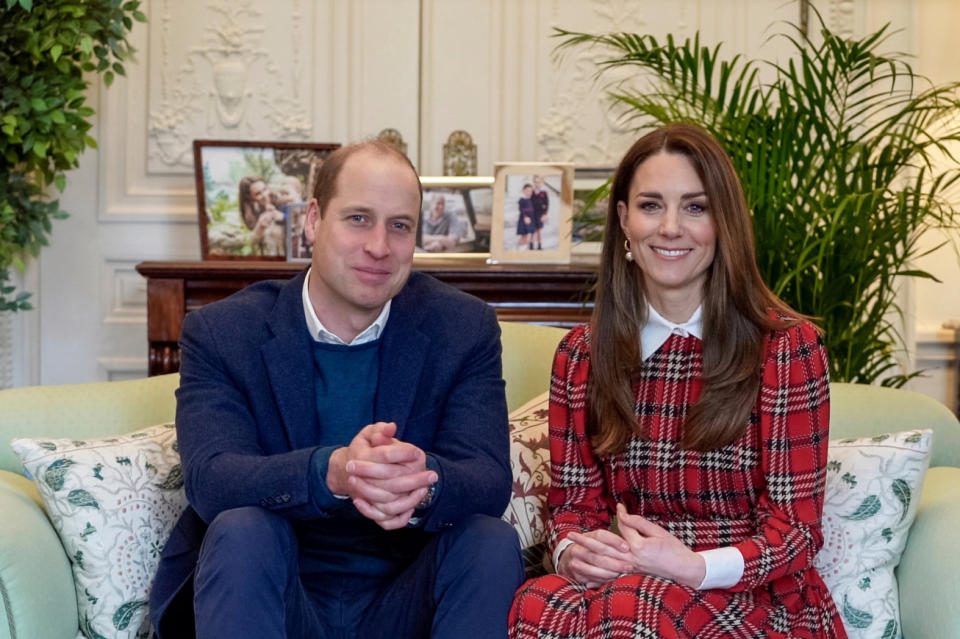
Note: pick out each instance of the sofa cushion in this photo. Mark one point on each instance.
(113, 502)
(530, 463)
(872, 492)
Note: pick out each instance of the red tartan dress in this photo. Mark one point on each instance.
(762, 494)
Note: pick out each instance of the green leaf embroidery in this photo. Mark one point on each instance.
(47, 445)
(864, 583)
(88, 629)
(78, 558)
(833, 465)
(868, 508)
(80, 497)
(912, 439)
(887, 534)
(174, 480)
(123, 461)
(879, 438)
(55, 472)
(850, 480)
(89, 530)
(96, 471)
(902, 492)
(124, 614)
(93, 600)
(890, 630)
(855, 617)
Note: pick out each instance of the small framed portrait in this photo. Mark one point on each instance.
(299, 248)
(589, 211)
(532, 212)
(245, 191)
(455, 218)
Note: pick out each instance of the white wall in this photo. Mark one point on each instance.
(341, 70)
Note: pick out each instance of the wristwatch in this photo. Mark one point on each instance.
(428, 498)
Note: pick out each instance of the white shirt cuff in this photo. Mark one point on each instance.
(563, 545)
(724, 568)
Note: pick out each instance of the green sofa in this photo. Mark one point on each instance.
(38, 601)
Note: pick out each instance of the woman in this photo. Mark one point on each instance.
(260, 216)
(695, 408)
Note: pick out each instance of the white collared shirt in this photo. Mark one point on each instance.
(319, 332)
(658, 330)
(724, 566)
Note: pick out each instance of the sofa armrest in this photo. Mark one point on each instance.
(929, 570)
(37, 597)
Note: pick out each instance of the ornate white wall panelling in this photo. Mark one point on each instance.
(341, 70)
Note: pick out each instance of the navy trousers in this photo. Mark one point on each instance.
(248, 584)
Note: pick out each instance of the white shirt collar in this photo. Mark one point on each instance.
(319, 332)
(658, 330)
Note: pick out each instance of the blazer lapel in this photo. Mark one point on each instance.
(402, 356)
(288, 358)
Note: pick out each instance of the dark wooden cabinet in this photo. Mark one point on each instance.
(559, 295)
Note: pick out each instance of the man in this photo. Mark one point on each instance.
(441, 231)
(344, 440)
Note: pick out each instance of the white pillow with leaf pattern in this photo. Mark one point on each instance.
(113, 501)
(873, 486)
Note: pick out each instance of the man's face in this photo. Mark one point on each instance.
(363, 244)
(537, 182)
(437, 207)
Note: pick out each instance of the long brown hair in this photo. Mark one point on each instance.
(736, 306)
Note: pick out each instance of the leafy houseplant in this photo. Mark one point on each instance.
(46, 46)
(837, 158)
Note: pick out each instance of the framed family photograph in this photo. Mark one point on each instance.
(455, 218)
(249, 195)
(532, 212)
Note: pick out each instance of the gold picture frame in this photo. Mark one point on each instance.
(455, 219)
(532, 213)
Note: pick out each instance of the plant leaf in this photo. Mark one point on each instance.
(80, 497)
(855, 617)
(54, 475)
(901, 490)
(868, 508)
(124, 614)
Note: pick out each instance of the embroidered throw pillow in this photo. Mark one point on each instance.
(113, 502)
(530, 463)
(873, 486)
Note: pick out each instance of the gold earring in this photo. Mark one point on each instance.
(626, 247)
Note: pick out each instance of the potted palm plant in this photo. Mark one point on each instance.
(841, 158)
(46, 47)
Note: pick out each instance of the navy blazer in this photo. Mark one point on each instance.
(247, 423)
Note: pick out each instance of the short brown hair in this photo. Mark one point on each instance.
(737, 305)
(326, 186)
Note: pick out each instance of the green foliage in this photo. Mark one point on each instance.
(46, 46)
(837, 155)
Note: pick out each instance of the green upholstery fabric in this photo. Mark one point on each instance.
(37, 599)
(527, 359)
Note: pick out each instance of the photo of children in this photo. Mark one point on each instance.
(247, 193)
(531, 212)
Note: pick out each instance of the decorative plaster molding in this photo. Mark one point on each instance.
(841, 17)
(579, 99)
(220, 81)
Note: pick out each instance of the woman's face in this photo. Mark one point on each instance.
(259, 193)
(668, 221)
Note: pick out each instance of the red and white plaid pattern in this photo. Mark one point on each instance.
(762, 494)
